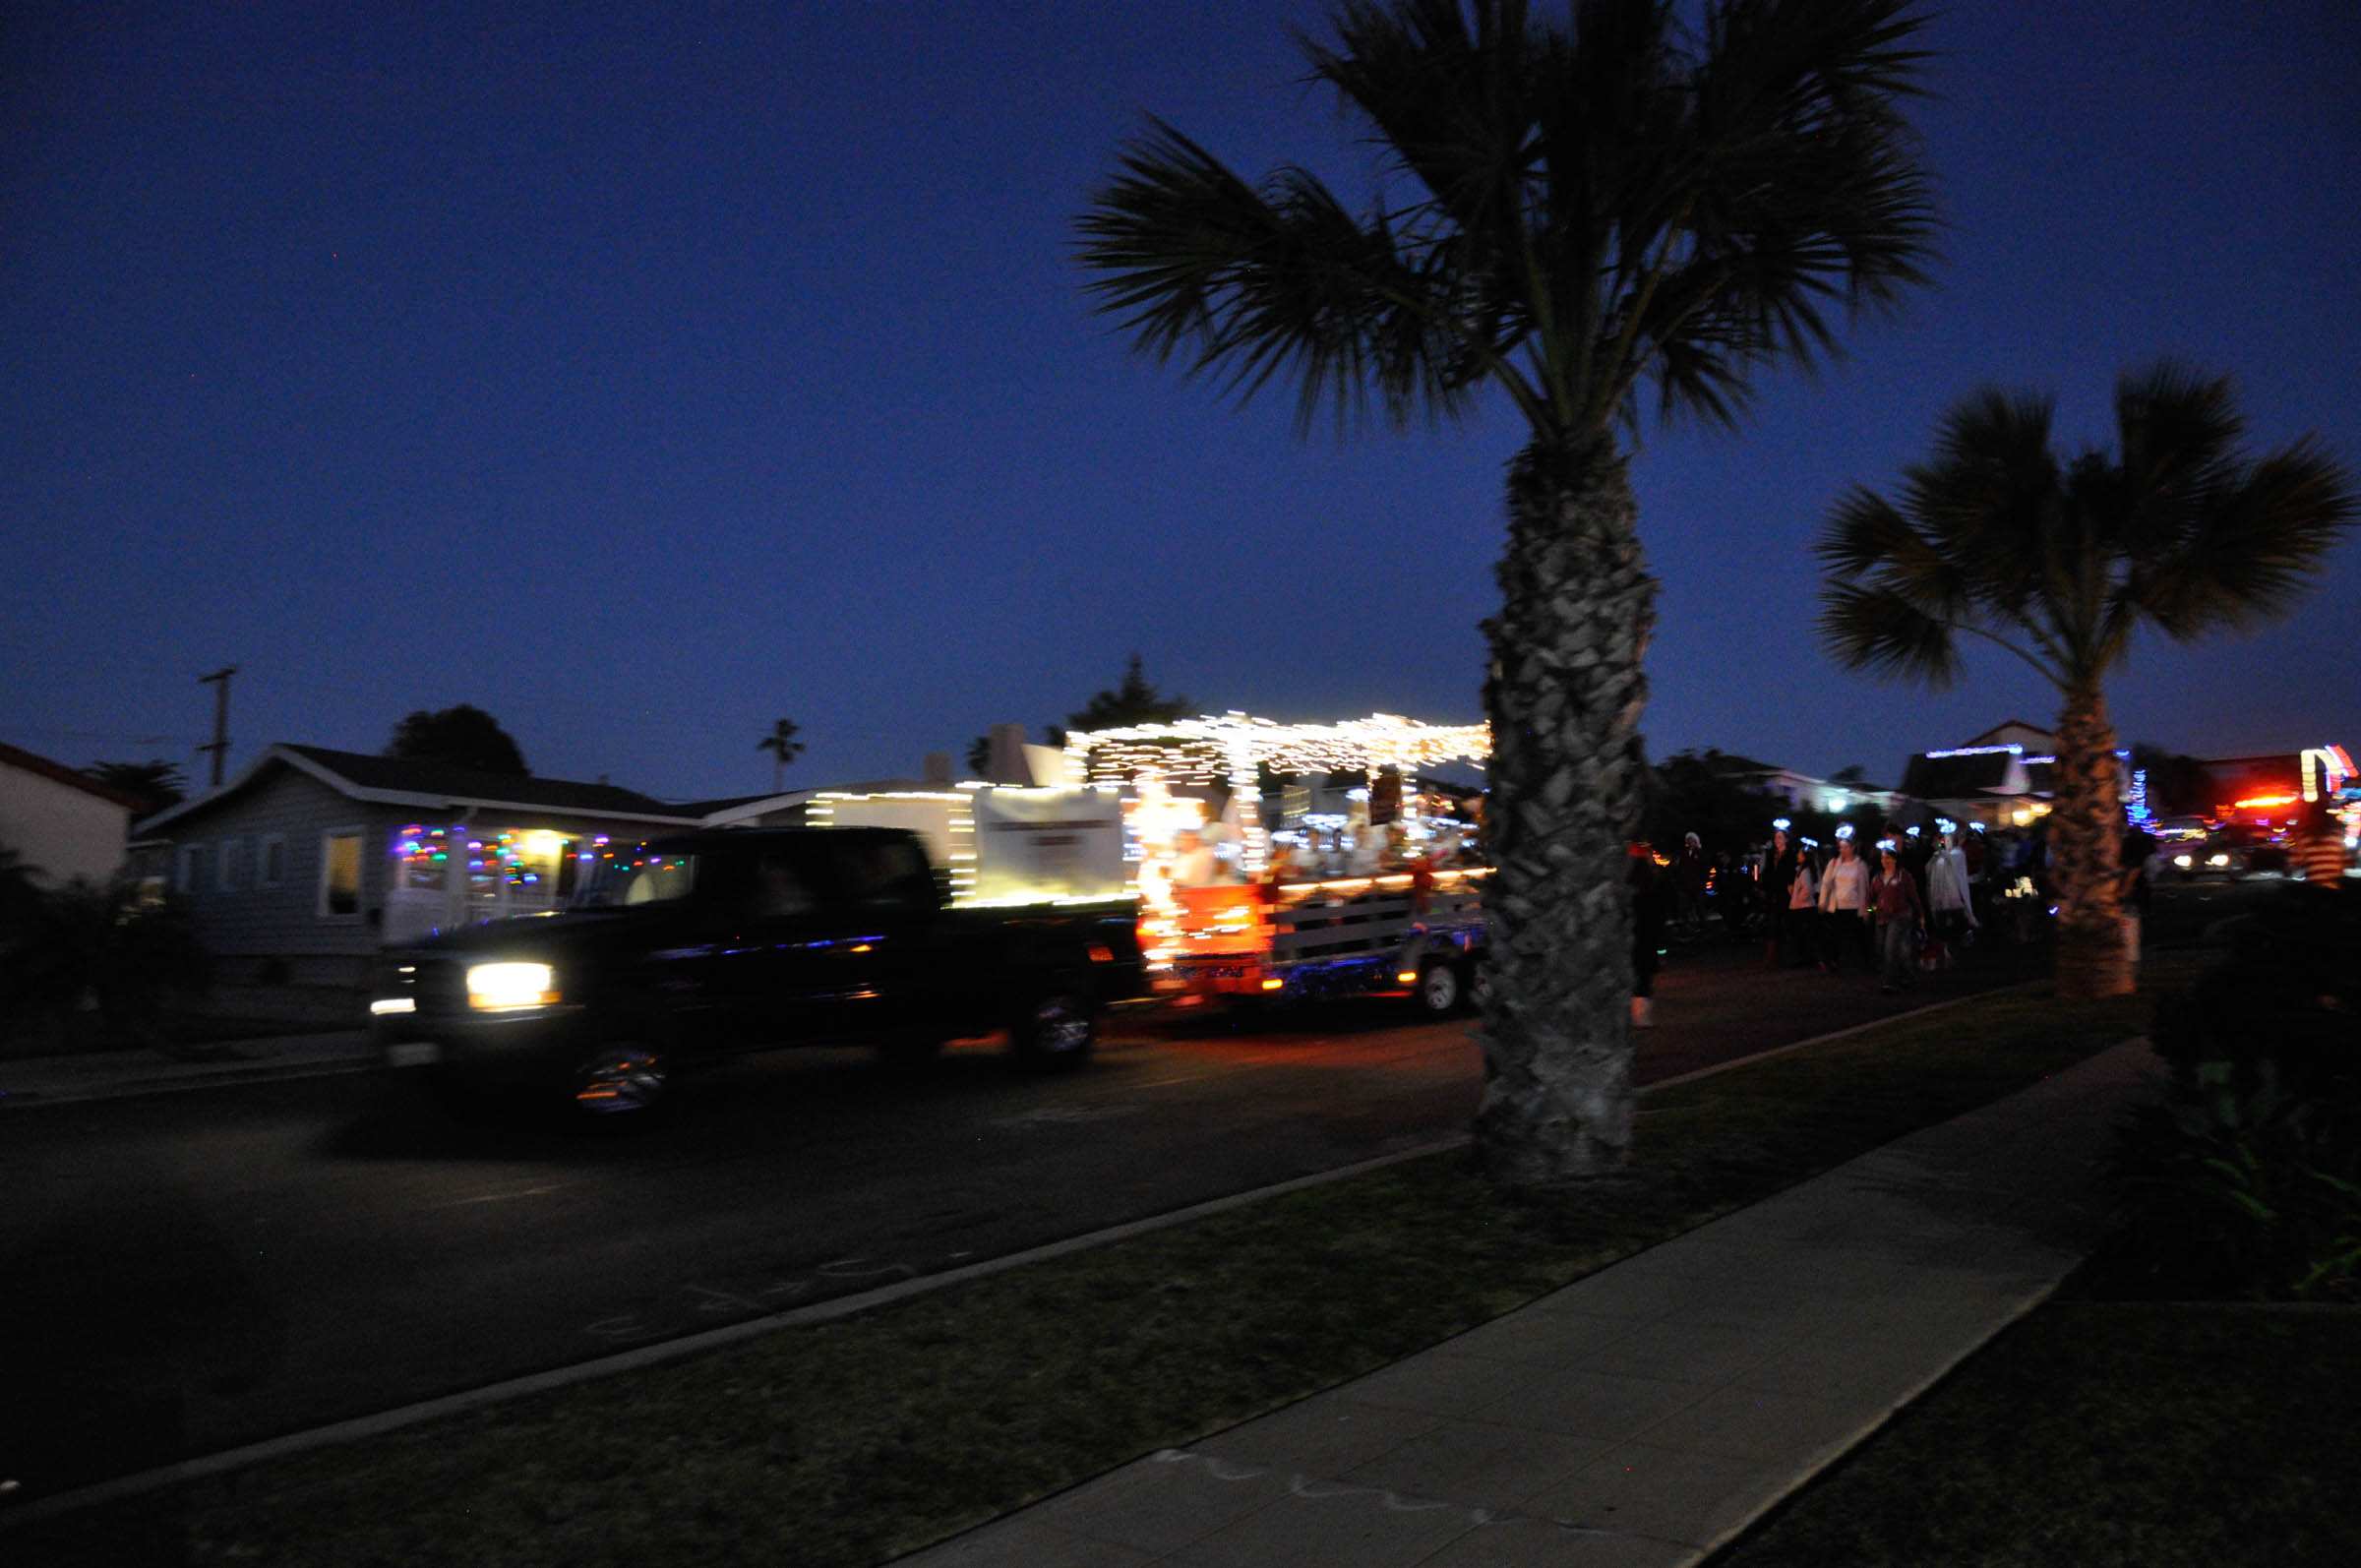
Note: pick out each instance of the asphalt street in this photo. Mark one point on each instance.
(191, 1272)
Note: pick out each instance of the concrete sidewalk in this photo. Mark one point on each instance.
(1644, 1415)
(110, 1074)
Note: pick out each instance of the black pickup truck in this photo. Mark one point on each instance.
(698, 945)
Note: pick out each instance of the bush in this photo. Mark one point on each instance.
(2245, 1181)
(93, 966)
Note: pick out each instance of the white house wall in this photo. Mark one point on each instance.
(63, 831)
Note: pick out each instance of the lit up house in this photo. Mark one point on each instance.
(298, 868)
(2001, 778)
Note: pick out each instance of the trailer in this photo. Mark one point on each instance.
(1418, 935)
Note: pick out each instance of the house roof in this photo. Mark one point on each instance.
(73, 778)
(1957, 778)
(428, 784)
(2005, 726)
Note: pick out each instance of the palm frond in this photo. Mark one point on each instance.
(2254, 549)
(1880, 630)
(1253, 283)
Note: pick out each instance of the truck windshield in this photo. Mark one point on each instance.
(639, 876)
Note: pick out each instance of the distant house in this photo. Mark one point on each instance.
(62, 823)
(2001, 778)
(312, 859)
(1805, 792)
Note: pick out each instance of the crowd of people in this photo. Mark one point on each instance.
(1898, 907)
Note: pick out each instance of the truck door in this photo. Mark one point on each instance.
(874, 965)
(774, 968)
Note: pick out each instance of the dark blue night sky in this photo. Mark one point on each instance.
(642, 376)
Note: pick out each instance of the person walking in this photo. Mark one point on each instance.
(1651, 904)
(1949, 900)
(1894, 896)
(1689, 879)
(1802, 902)
(1778, 874)
(1844, 907)
(2320, 847)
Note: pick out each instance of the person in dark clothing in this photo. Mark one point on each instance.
(1900, 912)
(1779, 875)
(1651, 906)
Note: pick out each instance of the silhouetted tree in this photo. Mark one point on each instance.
(2060, 561)
(783, 747)
(1645, 197)
(1132, 700)
(464, 736)
(158, 782)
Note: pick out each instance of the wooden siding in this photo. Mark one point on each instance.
(252, 920)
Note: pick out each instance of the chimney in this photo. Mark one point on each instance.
(1007, 763)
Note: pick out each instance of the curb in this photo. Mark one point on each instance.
(144, 1088)
(360, 1427)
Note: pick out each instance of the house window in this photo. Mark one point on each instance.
(340, 874)
(273, 866)
(191, 868)
(232, 867)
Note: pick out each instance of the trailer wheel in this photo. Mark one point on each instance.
(1439, 991)
(1056, 1029)
(1477, 981)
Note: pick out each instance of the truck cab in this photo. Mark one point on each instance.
(699, 946)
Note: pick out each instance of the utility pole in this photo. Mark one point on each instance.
(219, 682)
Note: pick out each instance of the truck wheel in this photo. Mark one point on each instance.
(1056, 1030)
(1438, 991)
(1475, 979)
(626, 1083)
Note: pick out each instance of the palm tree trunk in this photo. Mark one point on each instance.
(1564, 696)
(2086, 842)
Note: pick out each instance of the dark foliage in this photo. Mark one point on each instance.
(1134, 700)
(2177, 785)
(97, 966)
(156, 782)
(2245, 1181)
(464, 736)
(1711, 795)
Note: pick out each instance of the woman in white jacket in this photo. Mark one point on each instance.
(1844, 907)
(1949, 903)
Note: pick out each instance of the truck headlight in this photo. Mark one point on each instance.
(506, 987)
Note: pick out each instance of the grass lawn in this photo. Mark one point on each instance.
(848, 1443)
(2107, 1434)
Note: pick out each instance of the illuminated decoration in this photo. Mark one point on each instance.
(2134, 801)
(1781, 823)
(2326, 769)
(2262, 803)
(1979, 750)
(1944, 824)
(1911, 830)
(1843, 830)
(946, 819)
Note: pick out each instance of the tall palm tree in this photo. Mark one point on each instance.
(2061, 562)
(783, 747)
(1569, 215)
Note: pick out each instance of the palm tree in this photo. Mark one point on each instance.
(1571, 216)
(2060, 563)
(783, 747)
